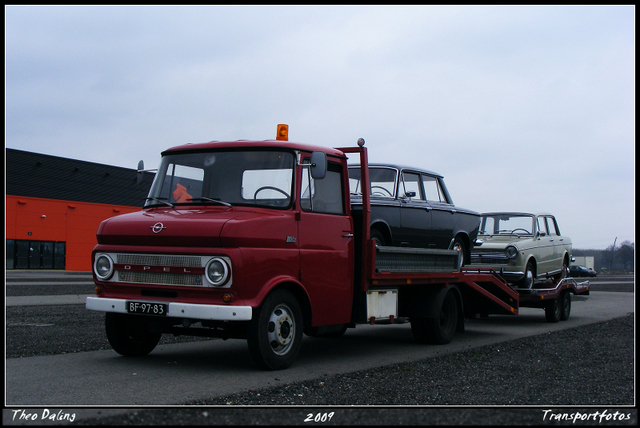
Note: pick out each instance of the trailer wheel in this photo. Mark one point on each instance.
(565, 305)
(552, 310)
(275, 332)
(440, 330)
(129, 335)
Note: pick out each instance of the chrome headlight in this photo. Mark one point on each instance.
(103, 267)
(217, 271)
(511, 251)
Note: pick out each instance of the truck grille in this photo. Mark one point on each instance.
(159, 260)
(489, 258)
(160, 278)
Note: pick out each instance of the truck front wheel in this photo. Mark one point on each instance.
(439, 330)
(129, 335)
(275, 332)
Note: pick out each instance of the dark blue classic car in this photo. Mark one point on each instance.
(412, 208)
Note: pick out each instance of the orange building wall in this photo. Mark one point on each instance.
(75, 223)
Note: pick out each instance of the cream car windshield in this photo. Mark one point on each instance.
(230, 178)
(507, 224)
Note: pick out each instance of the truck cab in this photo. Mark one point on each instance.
(238, 237)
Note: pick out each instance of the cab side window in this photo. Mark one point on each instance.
(325, 195)
(432, 189)
(542, 226)
(411, 186)
(552, 226)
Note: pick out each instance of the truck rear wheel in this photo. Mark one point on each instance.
(129, 335)
(275, 332)
(440, 330)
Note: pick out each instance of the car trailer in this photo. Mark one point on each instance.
(554, 296)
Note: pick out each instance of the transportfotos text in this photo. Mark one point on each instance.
(597, 416)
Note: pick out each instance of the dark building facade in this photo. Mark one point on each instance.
(54, 207)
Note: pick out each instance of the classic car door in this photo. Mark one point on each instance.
(544, 251)
(415, 214)
(559, 245)
(443, 214)
(325, 240)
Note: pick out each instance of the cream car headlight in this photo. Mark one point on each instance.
(511, 251)
(217, 271)
(103, 267)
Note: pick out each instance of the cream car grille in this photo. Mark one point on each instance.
(489, 258)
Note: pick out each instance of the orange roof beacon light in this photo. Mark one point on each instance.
(283, 132)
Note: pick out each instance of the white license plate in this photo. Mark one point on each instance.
(146, 308)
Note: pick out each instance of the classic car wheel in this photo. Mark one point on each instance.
(565, 305)
(274, 336)
(564, 273)
(458, 245)
(129, 335)
(377, 236)
(552, 310)
(529, 275)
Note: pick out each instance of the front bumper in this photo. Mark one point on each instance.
(177, 310)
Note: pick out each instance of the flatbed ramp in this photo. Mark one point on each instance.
(483, 293)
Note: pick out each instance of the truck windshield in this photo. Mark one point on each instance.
(262, 178)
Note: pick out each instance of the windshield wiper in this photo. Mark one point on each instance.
(161, 200)
(217, 201)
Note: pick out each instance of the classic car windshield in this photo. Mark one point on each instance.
(506, 224)
(383, 181)
(262, 178)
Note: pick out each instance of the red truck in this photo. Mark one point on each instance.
(257, 240)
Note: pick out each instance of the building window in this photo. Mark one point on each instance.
(35, 254)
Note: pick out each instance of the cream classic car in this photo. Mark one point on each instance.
(522, 247)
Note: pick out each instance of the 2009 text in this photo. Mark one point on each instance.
(319, 417)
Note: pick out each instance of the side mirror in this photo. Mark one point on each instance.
(318, 165)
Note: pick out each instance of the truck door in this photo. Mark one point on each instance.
(325, 234)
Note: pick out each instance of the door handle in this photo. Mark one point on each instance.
(348, 235)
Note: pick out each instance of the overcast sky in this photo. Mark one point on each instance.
(520, 108)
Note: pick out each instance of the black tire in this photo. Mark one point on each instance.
(552, 310)
(129, 335)
(440, 330)
(565, 305)
(275, 331)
